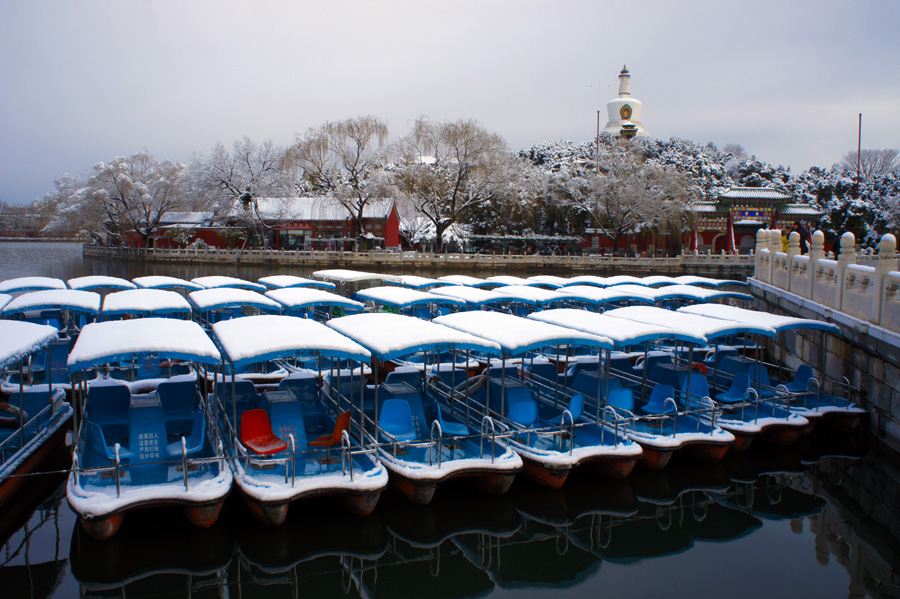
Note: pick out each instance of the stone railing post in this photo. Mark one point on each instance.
(793, 250)
(816, 253)
(847, 257)
(761, 242)
(887, 261)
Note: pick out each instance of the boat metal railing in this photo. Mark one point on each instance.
(9, 447)
(438, 446)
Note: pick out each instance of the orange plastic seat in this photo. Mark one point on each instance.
(256, 433)
(334, 438)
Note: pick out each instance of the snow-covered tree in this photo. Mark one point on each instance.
(343, 160)
(449, 170)
(230, 182)
(129, 194)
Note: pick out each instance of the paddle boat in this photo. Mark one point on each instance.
(599, 298)
(348, 280)
(164, 282)
(317, 304)
(613, 382)
(415, 282)
(548, 427)
(290, 281)
(411, 302)
(551, 281)
(813, 396)
(292, 442)
(144, 303)
(746, 415)
(66, 310)
(222, 282)
(465, 280)
(23, 284)
(97, 282)
(422, 436)
(136, 450)
(222, 303)
(475, 298)
(34, 419)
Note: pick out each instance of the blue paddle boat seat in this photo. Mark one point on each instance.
(736, 391)
(180, 402)
(449, 427)
(98, 453)
(657, 402)
(621, 399)
(108, 405)
(396, 419)
(286, 418)
(693, 389)
(449, 374)
(801, 379)
(759, 378)
(193, 442)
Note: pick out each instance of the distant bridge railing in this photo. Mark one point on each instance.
(864, 286)
(723, 264)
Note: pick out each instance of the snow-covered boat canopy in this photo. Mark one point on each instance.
(516, 335)
(163, 282)
(18, 339)
(273, 336)
(548, 281)
(55, 299)
(658, 280)
(779, 323)
(510, 280)
(401, 297)
(298, 298)
(231, 297)
(415, 282)
(465, 280)
(122, 340)
(623, 333)
(4, 299)
(535, 296)
(390, 336)
(351, 276)
(636, 290)
(603, 295)
(144, 302)
(472, 296)
(286, 281)
(220, 282)
(99, 282)
(587, 280)
(695, 280)
(624, 280)
(20, 284)
(710, 328)
(696, 293)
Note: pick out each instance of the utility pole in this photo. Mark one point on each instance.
(858, 154)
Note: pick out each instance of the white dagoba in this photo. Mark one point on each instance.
(625, 112)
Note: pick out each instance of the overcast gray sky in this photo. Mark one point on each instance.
(83, 82)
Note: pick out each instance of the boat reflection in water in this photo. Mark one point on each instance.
(466, 543)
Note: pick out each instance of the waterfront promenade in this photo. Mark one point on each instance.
(713, 265)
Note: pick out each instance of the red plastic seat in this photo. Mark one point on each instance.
(256, 433)
(334, 438)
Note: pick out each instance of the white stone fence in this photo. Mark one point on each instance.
(865, 287)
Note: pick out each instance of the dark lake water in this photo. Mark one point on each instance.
(814, 520)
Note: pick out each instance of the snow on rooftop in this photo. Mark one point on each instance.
(517, 335)
(120, 340)
(99, 282)
(401, 297)
(465, 280)
(603, 295)
(271, 336)
(145, 301)
(350, 276)
(700, 325)
(162, 282)
(59, 299)
(228, 297)
(19, 339)
(532, 295)
(473, 296)
(389, 336)
(30, 284)
(285, 281)
(622, 332)
(295, 298)
(219, 281)
(775, 321)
